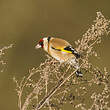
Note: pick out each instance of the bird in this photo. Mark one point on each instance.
(61, 50)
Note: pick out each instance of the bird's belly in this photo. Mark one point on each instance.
(58, 58)
(61, 56)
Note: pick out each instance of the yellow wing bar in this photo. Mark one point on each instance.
(61, 49)
(67, 51)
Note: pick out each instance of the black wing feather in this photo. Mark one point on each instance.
(69, 48)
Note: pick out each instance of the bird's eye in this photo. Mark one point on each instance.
(41, 43)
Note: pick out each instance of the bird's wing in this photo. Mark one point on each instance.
(58, 43)
(62, 45)
(72, 50)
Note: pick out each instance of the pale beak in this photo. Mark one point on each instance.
(37, 46)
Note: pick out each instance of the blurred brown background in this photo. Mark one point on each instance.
(22, 22)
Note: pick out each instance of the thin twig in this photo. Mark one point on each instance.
(54, 90)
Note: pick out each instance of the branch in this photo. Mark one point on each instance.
(54, 90)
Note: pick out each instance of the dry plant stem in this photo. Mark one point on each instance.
(60, 83)
(27, 101)
(21, 91)
(46, 85)
(20, 95)
(21, 88)
(50, 73)
(2, 52)
(46, 82)
(29, 96)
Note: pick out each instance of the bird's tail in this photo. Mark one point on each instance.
(75, 64)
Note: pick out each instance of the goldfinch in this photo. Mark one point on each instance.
(61, 50)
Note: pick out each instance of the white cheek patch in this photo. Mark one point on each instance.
(45, 44)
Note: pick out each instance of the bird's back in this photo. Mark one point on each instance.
(59, 43)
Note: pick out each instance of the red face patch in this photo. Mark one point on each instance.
(41, 40)
(41, 43)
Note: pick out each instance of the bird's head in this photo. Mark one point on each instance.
(43, 43)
